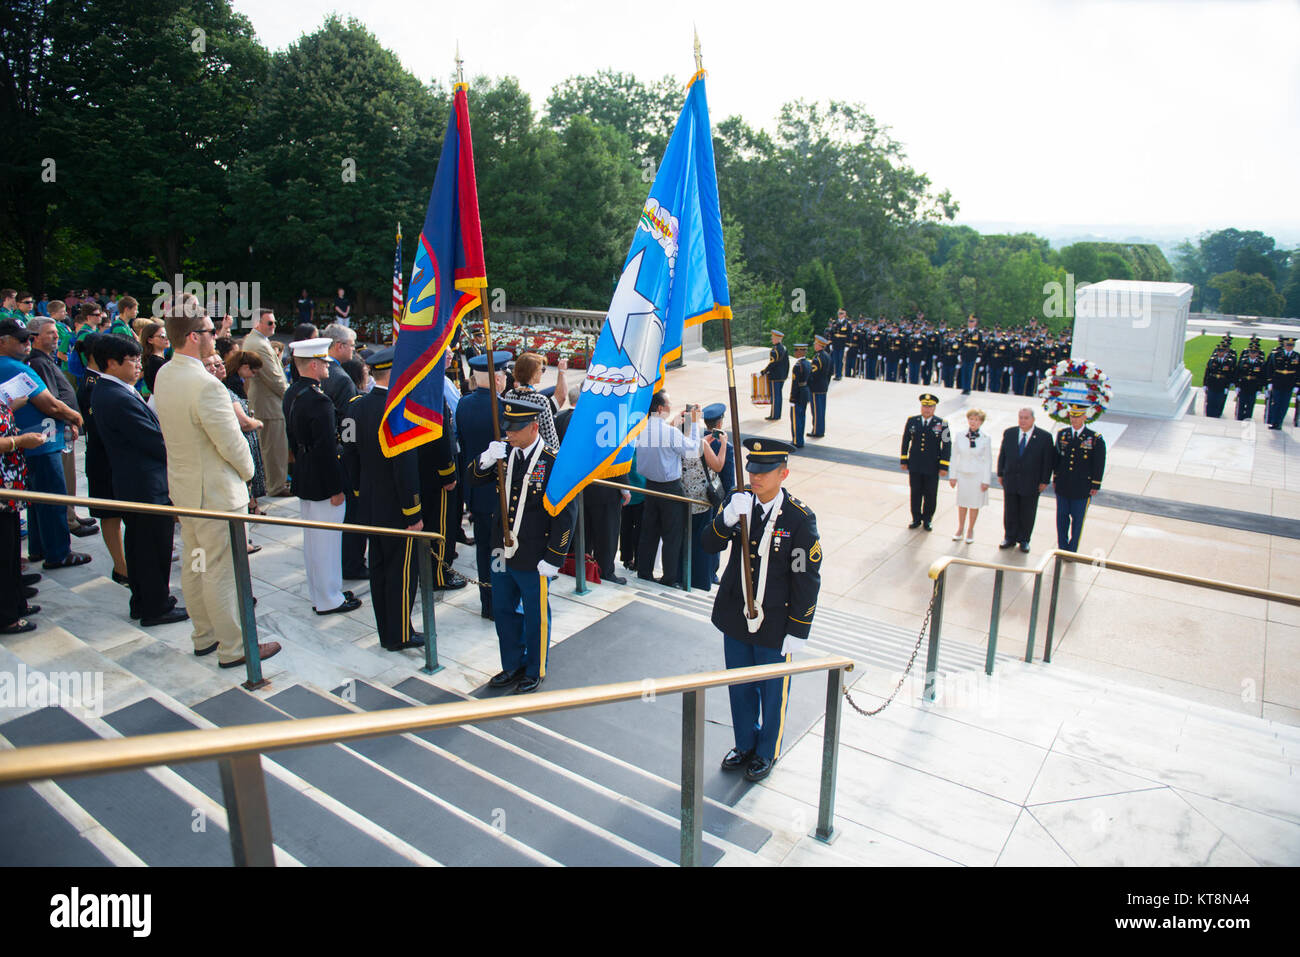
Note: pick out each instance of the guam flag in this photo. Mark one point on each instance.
(675, 276)
(447, 277)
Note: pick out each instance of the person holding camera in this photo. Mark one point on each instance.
(661, 448)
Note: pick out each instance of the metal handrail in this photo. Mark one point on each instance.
(239, 749)
(938, 572)
(239, 556)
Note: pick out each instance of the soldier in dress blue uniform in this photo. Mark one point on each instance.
(1219, 373)
(1251, 375)
(841, 330)
(800, 395)
(785, 556)
(777, 371)
(387, 492)
(971, 344)
(1283, 373)
(522, 572)
(473, 434)
(819, 382)
(927, 449)
(1079, 462)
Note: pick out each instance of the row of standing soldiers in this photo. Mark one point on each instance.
(917, 351)
(1278, 375)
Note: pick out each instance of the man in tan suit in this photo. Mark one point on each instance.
(265, 396)
(208, 464)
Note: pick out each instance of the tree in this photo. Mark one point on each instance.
(816, 290)
(1253, 262)
(1247, 295)
(1291, 288)
(644, 113)
(343, 145)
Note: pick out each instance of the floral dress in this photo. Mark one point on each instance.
(13, 465)
(257, 485)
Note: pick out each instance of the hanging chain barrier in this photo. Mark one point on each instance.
(925, 624)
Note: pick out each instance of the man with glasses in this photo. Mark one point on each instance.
(208, 467)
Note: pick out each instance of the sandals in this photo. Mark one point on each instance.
(72, 558)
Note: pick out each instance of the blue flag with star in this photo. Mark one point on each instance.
(675, 276)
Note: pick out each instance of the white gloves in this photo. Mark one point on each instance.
(791, 644)
(546, 569)
(495, 452)
(742, 503)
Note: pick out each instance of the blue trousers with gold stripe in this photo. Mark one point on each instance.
(818, 415)
(798, 412)
(524, 637)
(757, 708)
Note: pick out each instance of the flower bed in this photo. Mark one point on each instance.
(551, 344)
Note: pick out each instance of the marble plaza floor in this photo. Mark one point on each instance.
(1164, 732)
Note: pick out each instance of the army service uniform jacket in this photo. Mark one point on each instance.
(540, 535)
(792, 567)
(927, 446)
(1078, 463)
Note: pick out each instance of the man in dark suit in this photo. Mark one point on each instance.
(1024, 469)
(1079, 463)
(785, 562)
(387, 492)
(138, 458)
(474, 432)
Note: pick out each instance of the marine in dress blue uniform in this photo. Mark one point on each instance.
(521, 573)
(1079, 462)
(819, 383)
(927, 449)
(785, 555)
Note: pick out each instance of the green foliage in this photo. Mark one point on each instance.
(1291, 288)
(814, 291)
(1095, 262)
(1247, 295)
(644, 113)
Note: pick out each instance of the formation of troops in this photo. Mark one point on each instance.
(1277, 375)
(916, 351)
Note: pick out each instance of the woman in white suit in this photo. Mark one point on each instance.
(971, 473)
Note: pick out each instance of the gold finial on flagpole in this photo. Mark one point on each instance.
(699, 60)
(460, 64)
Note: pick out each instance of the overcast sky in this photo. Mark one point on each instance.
(1155, 112)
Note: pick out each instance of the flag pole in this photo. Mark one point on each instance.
(750, 611)
(507, 539)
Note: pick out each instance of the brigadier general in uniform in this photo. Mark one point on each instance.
(1079, 463)
(522, 571)
(800, 395)
(927, 449)
(387, 493)
(777, 371)
(785, 556)
(819, 383)
(1283, 373)
(318, 478)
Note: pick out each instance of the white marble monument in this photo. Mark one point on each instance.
(1135, 331)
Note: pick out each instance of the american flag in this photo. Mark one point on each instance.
(397, 282)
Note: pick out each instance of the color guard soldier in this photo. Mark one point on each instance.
(777, 371)
(318, 477)
(800, 395)
(522, 572)
(785, 557)
(918, 352)
(927, 449)
(1283, 373)
(819, 382)
(1250, 376)
(1219, 373)
(387, 494)
(474, 432)
(1079, 463)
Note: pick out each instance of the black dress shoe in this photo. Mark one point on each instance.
(928, 527)
(81, 531)
(616, 579)
(487, 613)
(31, 579)
(176, 614)
(200, 652)
(415, 641)
(1024, 547)
(29, 591)
(453, 582)
(504, 679)
(916, 524)
(527, 685)
(349, 604)
(737, 759)
(1005, 543)
(758, 769)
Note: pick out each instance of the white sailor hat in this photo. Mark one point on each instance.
(311, 348)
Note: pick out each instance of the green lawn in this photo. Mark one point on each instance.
(1197, 352)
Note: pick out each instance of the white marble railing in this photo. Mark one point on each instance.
(579, 320)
